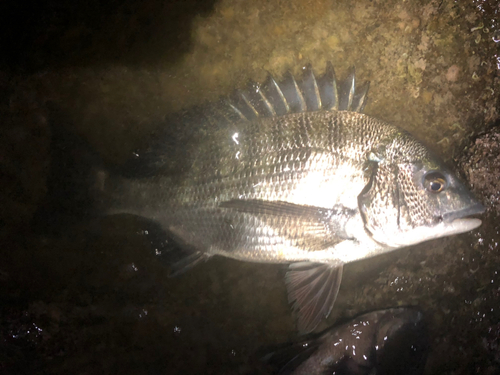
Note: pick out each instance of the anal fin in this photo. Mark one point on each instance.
(171, 247)
(313, 289)
(192, 251)
(187, 263)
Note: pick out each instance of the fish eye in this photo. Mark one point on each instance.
(435, 182)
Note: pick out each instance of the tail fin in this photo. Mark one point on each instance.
(75, 178)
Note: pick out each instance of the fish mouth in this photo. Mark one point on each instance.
(475, 209)
(448, 224)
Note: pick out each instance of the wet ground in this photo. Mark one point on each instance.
(88, 304)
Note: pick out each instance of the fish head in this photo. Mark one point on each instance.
(412, 197)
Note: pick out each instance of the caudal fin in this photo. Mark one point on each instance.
(75, 178)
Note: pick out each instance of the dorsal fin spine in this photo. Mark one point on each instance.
(248, 103)
(280, 92)
(363, 97)
(303, 105)
(268, 105)
(316, 91)
(237, 111)
(352, 78)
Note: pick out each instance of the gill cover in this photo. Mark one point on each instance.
(407, 203)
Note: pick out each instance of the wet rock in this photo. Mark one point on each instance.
(481, 165)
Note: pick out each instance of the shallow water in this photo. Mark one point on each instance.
(104, 304)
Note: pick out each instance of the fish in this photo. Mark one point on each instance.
(287, 172)
(392, 341)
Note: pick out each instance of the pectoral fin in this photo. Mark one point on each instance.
(317, 227)
(313, 289)
(261, 207)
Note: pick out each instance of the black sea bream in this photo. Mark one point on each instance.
(289, 172)
(393, 341)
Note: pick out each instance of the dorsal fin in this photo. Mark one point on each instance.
(167, 152)
(277, 98)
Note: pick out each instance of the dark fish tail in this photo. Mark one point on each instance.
(75, 180)
(285, 358)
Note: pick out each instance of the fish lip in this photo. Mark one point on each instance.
(476, 208)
